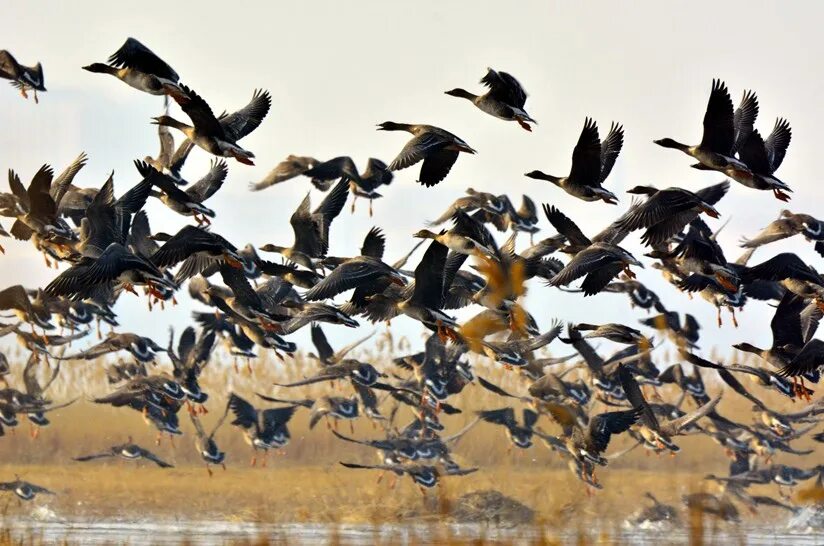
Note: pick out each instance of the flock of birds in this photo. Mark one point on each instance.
(109, 248)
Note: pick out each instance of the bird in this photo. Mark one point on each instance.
(312, 228)
(592, 161)
(655, 434)
(24, 490)
(206, 445)
(139, 67)
(218, 136)
(717, 147)
(25, 78)
(289, 168)
(600, 262)
(504, 100)
(127, 452)
(436, 147)
(262, 429)
(666, 212)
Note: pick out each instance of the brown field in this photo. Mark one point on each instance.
(305, 483)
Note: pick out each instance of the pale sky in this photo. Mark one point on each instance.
(335, 69)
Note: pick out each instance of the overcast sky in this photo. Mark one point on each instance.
(335, 69)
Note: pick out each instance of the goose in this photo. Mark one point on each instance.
(218, 136)
(504, 100)
(24, 78)
(717, 148)
(437, 148)
(592, 161)
(139, 67)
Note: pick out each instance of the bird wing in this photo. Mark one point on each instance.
(246, 415)
(753, 152)
(200, 113)
(212, 181)
(585, 262)
(436, 165)
(786, 322)
(744, 119)
(374, 244)
(287, 169)
(133, 54)
(604, 425)
(417, 149)
(187, 242)
(93, 456)
(346, 276)
(736, 385)
(329, 209)
(505, 88)
(778, 142)
(239, 124)
(19, 190)
(610, 149)
(674, 427)
(565, 226)
(713, 194)
(155, 459)
(503, 416)
(598, 279)
(40, 199)
(809, 359)
(586, 156)
(429, 276)
(16, 297)
(719, 129)
(61, 183)
(636, 397)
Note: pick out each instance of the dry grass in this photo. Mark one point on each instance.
(305, 483)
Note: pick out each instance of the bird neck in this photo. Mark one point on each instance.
(100, 68)
(462, 93)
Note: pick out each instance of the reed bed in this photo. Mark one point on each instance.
(304, 483)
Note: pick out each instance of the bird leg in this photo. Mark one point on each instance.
(265, 456)
(232, 262)
(720, 323)
(780, 195)
(23, 92)
(209, 470)
(370, 208)
(157, 440)
(629, 273)
(202, 408)
(351, 427)
(380, 477)
(253, 461)
(242, 158)
(734, 320)
(441, 331)
(36, 100)
(354, 200)
(128, 287)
